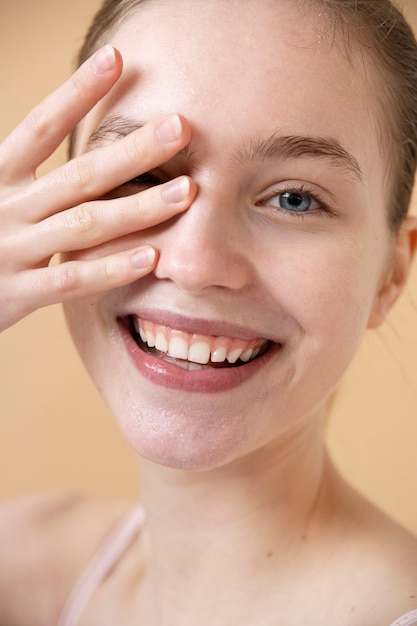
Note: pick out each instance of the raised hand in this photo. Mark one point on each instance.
(65, 211)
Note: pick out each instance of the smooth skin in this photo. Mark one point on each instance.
(248, 521)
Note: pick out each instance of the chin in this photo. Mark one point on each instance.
(185, 438)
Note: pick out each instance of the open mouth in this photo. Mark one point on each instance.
(192, 351)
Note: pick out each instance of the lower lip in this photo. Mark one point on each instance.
(212, 380)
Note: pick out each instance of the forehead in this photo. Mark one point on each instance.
(243, 67)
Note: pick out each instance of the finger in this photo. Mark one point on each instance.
(75, 279)
(47, 125)
(96, 173)
(93, 223)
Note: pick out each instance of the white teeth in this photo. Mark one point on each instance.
(161, 343)
(199, 352)
(193, 352)
(246, 356)
(233, 355)
(219, 355)
(178, 348)
(146, 335)
(150, 339)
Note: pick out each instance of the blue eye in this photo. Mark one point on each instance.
(295, 201)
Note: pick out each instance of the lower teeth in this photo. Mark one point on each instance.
(188, 365)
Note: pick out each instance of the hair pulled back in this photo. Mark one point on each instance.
(380, 28)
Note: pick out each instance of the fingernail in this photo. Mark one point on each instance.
(176, 190)
(169, 129)
(143, 258)
(104, 59)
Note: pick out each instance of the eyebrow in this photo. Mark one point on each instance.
(117, 127)
(279, 147)
(275, 147)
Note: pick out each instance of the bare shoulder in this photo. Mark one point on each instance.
(395, 563)
(396, 555)
(45, 543)
(382, 564)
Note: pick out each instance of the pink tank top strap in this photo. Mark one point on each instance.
(406, 620)
(100, 565)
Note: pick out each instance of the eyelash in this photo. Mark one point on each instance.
(150, 179)
(297, 189)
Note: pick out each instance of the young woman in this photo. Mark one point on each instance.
(231, 221)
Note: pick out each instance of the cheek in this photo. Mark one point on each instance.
(82, 320)
(328, 286)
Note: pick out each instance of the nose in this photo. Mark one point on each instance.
(205, 247)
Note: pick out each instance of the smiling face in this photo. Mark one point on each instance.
(281, 256)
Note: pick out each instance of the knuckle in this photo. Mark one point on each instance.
(78, 83)
(146, 207)
(82, 221)
(109, 271)
(79, 172)
(67, 278)
(39, 122)
(137, 150)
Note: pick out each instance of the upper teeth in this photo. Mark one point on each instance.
(196, 348)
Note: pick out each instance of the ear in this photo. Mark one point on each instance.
(404, 249)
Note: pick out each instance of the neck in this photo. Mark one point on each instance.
(212, 530)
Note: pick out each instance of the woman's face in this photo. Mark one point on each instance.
(285, 247)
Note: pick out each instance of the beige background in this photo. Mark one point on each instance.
(54, 429)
